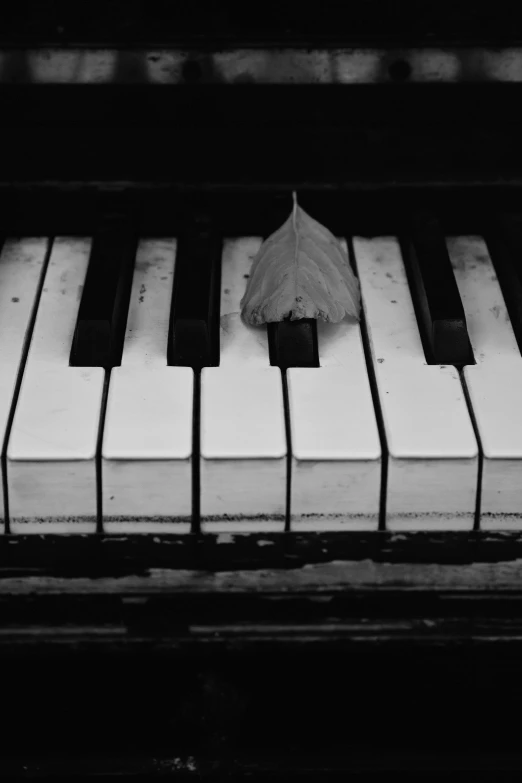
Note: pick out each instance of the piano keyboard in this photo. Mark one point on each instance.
(376, 437)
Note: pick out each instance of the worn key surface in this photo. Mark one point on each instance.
(494, 383)
(432, 449)
(51, 454)
(22, 262)
(336, 453)
(505, 245)
(147, 440)
(243, 438)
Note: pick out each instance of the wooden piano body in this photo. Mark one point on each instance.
(271, 655)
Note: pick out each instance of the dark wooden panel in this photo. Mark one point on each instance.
(270, 712)
(435, 109)
(273, 135)
(260, 655)
(246, 209)
(126, 22)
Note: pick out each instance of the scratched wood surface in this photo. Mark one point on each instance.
(264, 562)
(167, 593)
(323, 577)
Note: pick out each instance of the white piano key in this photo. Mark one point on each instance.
(51, 452)
(21, 265)
(336, 452)
(147, 441)
(494, 382)
(243, 440)
(433, 454)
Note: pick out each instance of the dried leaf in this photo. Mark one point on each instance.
(300, 271)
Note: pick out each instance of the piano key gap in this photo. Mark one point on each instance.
(19, 377)
(288, 431)
(476, 523)
(98, 460)
(375, 397)
(196, 454)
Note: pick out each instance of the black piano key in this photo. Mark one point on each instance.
(435, 293)
(293, 343)
(194, 317)
(504, 240)
(102, 316)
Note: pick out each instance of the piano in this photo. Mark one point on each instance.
(276, 552)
